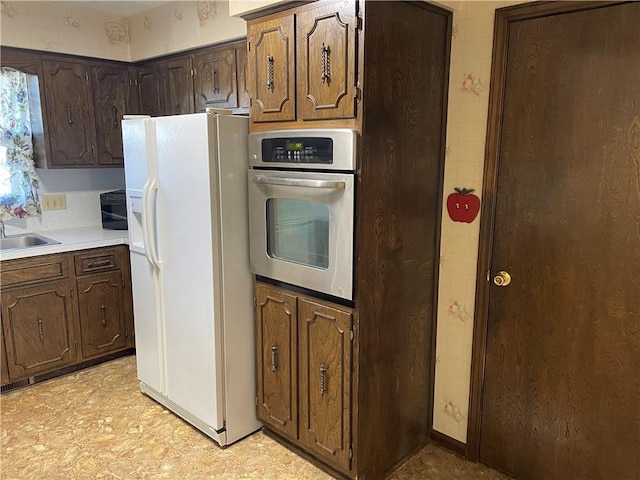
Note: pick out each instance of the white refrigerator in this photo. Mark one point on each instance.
(186, 186)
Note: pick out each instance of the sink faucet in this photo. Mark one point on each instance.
(2, 235)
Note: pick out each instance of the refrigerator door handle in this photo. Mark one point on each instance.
(145, 221)
(150, 223)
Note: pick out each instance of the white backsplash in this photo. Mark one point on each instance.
(82, 188)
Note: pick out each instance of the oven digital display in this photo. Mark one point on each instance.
(294, 146)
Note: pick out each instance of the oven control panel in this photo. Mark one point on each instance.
(330, 149)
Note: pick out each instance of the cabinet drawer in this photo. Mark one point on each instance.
(99, 260)
(34, 269)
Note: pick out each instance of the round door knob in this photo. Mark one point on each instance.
(502, 279)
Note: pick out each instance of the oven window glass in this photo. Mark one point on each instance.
(298, 231)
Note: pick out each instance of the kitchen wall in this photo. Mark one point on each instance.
(177, 26)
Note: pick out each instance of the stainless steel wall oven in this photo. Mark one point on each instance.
(301, 208)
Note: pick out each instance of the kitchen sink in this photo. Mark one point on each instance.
(26, 240)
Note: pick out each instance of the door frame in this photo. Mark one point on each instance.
(503, 18)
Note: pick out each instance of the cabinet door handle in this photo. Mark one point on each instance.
(104, 315)
(69, 116)
(325, 75)
(270, 82)
(41, 329)
(274, 358)
(323, 379)
(116, 124)
(215, 82)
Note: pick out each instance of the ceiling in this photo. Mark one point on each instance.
(116, 7)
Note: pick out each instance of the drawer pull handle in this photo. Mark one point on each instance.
(215, 82)
(323, 379)
(41, 329)
(99, 263)
(116, 124)
(104, 315)
(274, 358)
(69, 115)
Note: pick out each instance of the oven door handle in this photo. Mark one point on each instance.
(299, 182)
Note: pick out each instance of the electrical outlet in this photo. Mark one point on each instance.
(54, 202)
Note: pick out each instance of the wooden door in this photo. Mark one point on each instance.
(276, 332)
(178, 86)
(324, 342)
(244, 97)
(36, 325)
(70, 118)
(326, 56)
(150, 90)
(215, 79)
(271, 69)
(562, 386)
(110, 86)
(103, 324)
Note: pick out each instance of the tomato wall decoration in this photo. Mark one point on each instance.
(463, 206)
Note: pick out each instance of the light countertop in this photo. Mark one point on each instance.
(70, 239)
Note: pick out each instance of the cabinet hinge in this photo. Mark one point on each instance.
(72, 293)
(352, 335)
(358, 22)
(86, 77)
(358, 92)
(255, 302)
(193, 72)
(75, 344)
(350, 453)
(93, 150)
(126, 333)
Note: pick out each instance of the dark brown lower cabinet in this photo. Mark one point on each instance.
(304, 372)
(37, 323)
(55, 315)
(103, 325)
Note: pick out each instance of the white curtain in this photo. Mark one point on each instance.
(18, 178)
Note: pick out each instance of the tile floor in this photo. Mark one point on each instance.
(95, 424)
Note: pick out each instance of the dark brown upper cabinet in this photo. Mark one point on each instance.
(244, 99)
(111, 100)
(69, 114)
(178, 93)
(215, 81)
(150, 90)
(326, 52)
(271, 69)
(302, 65)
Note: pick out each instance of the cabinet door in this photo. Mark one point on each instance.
(103, 324)
(215, 79)
(150, 90)
(276, 360)
(326, 46)
(178, 87)
(69, 114)
(111, 99)
(324, 342)
(241, 68)
(271, 69)
(36, 323)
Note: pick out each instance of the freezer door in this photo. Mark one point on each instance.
(147, 325)
(188, 252)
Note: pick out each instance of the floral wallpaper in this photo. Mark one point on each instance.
(167, 28)
(471, 50)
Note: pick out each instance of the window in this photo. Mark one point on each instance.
(18, 178)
